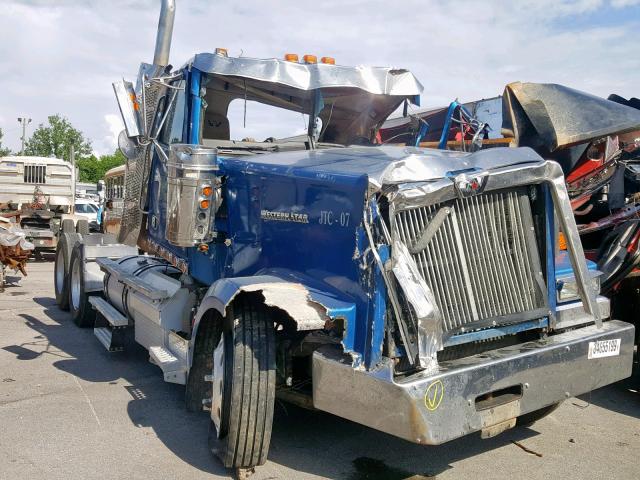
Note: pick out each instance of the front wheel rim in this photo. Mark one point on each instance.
(218, 386)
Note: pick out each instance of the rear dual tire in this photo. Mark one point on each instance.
(82, 227)
(64, 248)
(81, 310)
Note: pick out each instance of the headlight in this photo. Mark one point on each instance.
(567, 288)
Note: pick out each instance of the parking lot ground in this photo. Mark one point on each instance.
(71, 410)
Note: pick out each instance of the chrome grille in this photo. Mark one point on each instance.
(482, 263)
(36, 174)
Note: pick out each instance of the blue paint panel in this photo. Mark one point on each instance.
(196, 106)
(563, 265)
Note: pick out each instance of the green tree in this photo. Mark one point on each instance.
(56, 138)
(93, 169)
(3, 151)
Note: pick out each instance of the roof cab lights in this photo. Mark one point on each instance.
(309, 59)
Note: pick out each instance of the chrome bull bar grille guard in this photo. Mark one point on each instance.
(428, 319)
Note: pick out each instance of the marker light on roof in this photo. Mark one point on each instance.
(328, 60)
(310, 59)
(291, 57)
(222, 51)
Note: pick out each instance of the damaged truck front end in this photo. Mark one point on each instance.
(475, 331)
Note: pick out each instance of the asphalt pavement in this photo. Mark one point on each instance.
(71, 410)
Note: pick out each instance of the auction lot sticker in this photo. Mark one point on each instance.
(604, 348)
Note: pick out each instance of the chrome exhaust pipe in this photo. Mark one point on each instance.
(165, 32)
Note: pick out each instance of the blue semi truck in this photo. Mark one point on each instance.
(414, 291)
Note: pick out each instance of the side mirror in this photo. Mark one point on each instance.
(128, 146)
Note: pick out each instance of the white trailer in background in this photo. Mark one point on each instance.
(19, 177)
(39, 193)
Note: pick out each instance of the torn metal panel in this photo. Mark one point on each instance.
(294, 299)
(421, 299)
(429, 165)
(292, 77)
(549, 116)
(310, 303)
(309, 306)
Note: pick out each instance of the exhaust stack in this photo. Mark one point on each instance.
(165, 32)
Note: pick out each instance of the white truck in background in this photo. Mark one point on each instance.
(39, 193)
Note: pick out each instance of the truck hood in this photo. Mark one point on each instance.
(383, 165)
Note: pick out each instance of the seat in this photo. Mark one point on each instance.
(216, 126)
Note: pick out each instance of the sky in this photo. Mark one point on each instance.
(61, 56)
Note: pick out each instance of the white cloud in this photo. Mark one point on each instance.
(624, 3)
(61, 57)
(110, 141)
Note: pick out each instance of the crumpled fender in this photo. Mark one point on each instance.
(309, 302)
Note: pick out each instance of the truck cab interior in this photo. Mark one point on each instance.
(334, 117)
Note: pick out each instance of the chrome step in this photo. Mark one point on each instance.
(109, 312)
(106, 337)
(173, 368)
(110, 324)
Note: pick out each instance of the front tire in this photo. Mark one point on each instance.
(81, 311)
(243, 386)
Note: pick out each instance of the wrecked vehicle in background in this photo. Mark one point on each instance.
(458, 126)
(14, 250)
(410, 290)
(597, 144)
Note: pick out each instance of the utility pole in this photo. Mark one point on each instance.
(24, 122)
(72, 158)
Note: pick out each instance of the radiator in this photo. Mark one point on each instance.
(479, 258)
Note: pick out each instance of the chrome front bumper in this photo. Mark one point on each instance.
(450, 402)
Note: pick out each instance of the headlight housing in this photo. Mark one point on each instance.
(567, 287)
